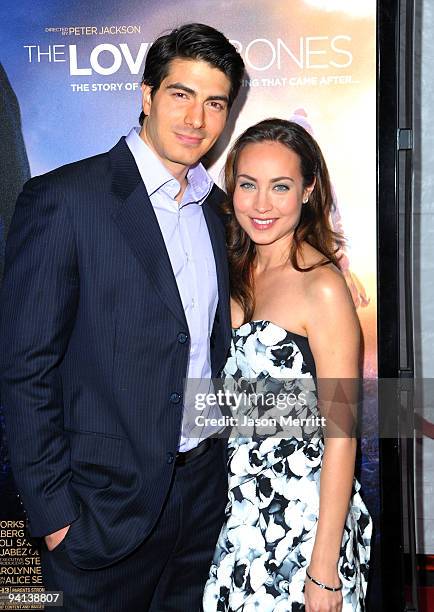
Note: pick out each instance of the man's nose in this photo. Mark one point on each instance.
(195, 116)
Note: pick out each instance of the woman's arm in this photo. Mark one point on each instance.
(334, 337)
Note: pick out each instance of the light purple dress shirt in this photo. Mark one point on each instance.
(188, 245)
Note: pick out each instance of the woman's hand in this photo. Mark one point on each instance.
(320, 600)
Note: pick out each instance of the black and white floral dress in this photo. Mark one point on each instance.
(266, 541)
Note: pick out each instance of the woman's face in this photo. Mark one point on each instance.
(269, 192)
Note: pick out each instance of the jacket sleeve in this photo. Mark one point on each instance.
(38, 304)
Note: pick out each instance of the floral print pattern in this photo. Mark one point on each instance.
(266, 541)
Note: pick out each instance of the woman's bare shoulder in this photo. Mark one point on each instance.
(325, 281)
(326, 286)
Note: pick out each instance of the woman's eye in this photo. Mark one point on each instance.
(247, 186)
(281, 187)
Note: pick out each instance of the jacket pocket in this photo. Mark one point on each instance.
(96, 448)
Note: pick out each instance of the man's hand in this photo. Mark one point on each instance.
(53, 539)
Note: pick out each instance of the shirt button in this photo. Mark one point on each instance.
(170, 458)
(182, 338)
(175, 398)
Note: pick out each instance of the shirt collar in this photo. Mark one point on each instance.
(156, 176)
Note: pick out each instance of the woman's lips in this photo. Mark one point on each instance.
(262, 224)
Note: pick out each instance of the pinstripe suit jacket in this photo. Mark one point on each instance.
(93, 354)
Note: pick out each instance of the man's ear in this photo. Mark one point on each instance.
(146, 98)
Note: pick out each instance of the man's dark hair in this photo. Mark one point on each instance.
(195, 41)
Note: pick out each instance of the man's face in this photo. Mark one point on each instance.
(186, 114)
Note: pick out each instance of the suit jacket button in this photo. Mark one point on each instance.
(170, 458)
(175, 398)
(182, 338)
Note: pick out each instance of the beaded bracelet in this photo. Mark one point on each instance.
(322, 585)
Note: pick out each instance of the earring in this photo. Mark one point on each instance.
(306, 201)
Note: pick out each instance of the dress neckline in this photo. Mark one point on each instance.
(271, 323)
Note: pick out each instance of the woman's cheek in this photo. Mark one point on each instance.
(242, 204)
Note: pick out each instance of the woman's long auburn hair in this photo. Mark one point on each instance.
(314, 225)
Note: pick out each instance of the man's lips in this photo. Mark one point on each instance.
(262, 224)
(188, 139)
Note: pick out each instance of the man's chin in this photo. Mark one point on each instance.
(186, 160)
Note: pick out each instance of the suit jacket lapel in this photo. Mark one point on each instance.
(217, 236)
(136, 219)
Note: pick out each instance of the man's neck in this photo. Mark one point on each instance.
(178, 171)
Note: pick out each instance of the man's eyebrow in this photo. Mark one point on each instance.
(221, 98)
(192, 92)
(182, 87)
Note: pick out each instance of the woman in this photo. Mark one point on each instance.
(297, 532)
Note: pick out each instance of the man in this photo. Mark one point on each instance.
(115, 292)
